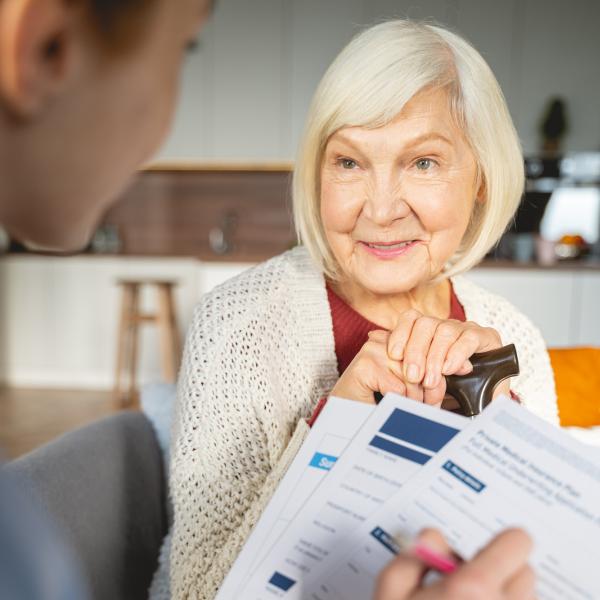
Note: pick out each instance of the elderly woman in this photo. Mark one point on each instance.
(409, 172)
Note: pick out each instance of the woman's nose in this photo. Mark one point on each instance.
(386, 203)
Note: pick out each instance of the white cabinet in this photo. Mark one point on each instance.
(587, 320)
(59, 316)
(563, 304)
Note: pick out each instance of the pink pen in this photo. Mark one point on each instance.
(434, 560)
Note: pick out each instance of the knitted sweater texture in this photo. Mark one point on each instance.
(258, 357)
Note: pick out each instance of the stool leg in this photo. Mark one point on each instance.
(126, 345)
(177, 348)
(169, 335)
(122, 341)
(133, 348)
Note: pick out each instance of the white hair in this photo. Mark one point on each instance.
(369, 83)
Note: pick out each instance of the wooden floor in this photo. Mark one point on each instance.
(30, 418)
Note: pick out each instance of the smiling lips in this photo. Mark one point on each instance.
(389, 250)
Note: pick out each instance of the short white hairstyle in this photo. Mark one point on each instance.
(369, 83)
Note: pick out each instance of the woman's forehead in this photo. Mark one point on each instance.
(426, 117)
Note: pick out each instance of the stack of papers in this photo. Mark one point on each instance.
(367, 476)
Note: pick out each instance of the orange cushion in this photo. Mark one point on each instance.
(577, 376)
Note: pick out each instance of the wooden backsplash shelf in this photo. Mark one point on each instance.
(171, 211)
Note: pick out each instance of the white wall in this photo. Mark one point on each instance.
(246, 90)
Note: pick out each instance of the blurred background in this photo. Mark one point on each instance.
(80, 336)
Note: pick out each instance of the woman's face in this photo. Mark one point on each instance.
(396, 201)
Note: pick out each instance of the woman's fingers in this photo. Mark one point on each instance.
(401, 333)
(472, 339)
(389, 371)
(446, 334)
(463, 348)
(429, 347)
(393, 385)
(378, 335)
(417, 348)
(435, 396)
(371, 371)
(414, 391)
(466, 368)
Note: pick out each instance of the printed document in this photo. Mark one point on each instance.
(397, 439)
(337, 424)
(508, 468)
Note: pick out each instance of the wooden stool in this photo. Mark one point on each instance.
(131, 316)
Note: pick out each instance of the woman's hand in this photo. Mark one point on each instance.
(499, 571)
(430, 348)
(414, 359)
(372, 370)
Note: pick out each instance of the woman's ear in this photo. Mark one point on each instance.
(481, 196)
(36, 52)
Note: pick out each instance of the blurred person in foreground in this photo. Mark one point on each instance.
(87, 89)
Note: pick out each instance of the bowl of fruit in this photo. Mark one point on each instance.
(570, 247)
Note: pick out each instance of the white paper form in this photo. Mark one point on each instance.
(399, 437)
(337, 424)
(508, 468)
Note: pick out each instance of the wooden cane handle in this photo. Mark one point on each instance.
(475, 391)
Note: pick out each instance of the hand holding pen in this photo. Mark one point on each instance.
(498, 571)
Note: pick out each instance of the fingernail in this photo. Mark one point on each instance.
(412, 373)
(397, 352)
(447, 367)
(430, 380)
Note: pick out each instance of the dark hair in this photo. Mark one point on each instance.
(108, 12)
(117, 21)
(120, 22)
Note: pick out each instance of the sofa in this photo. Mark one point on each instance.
(105, 487)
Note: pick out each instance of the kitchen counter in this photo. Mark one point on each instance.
(585, 264)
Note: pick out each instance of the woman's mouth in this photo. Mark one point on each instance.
(388, 250)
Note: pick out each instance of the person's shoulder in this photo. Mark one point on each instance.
(476, 297)
(265, 278)
(251, 292)
(492, 310)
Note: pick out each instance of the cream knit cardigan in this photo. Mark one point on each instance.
(258, 357)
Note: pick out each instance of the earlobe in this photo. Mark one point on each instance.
(481, 192)
(35, 53)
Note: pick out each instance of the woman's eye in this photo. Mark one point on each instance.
(347, 163)
(424, 164)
